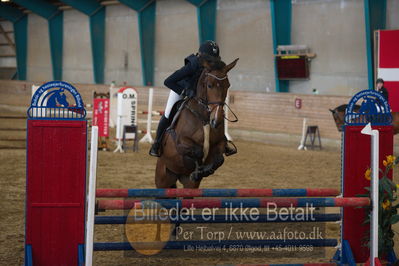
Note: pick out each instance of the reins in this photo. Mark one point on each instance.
(235, 116)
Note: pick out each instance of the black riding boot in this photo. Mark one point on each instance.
(230, 150)
(162, 126)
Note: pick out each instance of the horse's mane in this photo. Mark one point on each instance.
(341, 108)
(215, 63)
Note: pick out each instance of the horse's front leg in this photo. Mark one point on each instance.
(209, 169)
(214, 160)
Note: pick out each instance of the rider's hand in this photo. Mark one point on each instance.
(190, 93)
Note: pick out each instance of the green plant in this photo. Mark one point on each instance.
(388, 207)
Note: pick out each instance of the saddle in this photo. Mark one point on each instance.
(174, 116)
(175, 112)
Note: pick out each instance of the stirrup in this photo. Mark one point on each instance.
(155, 150)
(228, 150)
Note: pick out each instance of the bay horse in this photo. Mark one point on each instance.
(194, 144)
(338, 114)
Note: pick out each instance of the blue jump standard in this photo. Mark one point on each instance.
(101, 246)
(222, 219)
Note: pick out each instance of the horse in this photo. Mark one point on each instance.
(338, 114)
(193, 145)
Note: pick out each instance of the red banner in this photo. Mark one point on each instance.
(101, 116)
(388, 65)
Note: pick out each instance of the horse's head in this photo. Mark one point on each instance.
(338, 114)
(212, 89)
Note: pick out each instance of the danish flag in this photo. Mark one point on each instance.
(388, 65)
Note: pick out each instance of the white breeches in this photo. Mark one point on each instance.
(172, 99)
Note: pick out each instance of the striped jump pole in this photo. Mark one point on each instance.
(295, 264)
(206, 192)
(233, 203)
(112, 246)
(316, 217)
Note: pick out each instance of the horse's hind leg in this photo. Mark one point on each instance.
(163, 177)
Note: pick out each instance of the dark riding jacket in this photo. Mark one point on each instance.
(186, 78)
(384, 92)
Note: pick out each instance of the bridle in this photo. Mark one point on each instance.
(338, 118)
(215, 77)
(203, 101)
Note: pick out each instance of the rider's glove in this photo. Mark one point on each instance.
(190, 93)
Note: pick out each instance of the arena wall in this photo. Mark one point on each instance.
(392, 14)
(7, 62)
(333, 29)
(259, 113)
(77, 58)
(263, 117)
(39, 59)
(176, 37)
(122, 47)
(244, 30)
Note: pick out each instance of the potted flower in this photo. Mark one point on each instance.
(388, 208)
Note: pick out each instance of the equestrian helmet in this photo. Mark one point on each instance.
(210, 48)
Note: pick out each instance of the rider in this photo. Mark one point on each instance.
(381, 89)
(183, 82)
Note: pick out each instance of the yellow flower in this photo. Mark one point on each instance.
(390, 160)
(367, 174)
(397, 185)
(386, 204)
